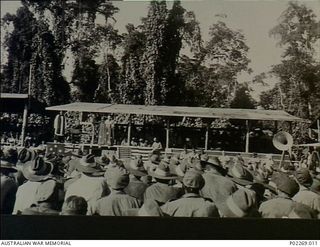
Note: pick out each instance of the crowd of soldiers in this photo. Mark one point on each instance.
(188, 184)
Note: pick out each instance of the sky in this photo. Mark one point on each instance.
(255, 18)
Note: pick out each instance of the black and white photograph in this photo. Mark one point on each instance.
(160, 119)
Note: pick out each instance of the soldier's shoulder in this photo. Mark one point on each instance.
(173, 200)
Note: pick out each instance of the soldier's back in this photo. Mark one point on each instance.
(190, 206)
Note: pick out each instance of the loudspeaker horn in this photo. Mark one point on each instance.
(282, 141)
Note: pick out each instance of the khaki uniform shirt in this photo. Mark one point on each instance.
(190, 205)
(8, 194)
(162, 193)
(136, 188)
(25, 196)
(217, 187)
(308, 198)
(276, 208)
(90, 188)
(116, 204)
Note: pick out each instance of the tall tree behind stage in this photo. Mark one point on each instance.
(299, 72)
(298, 87)
(33, 49)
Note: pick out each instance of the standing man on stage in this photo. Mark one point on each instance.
(109, 130)
(59, 127)
(102, 137)
(156, 145)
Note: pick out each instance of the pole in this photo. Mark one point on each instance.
(30, 77)
(290, 127)
(318, 125)
(93, 132)
(207, 138)
(24, 122)
(282, 159)
(167, 133)
(247, 136)
(25, 110)
(129, 132)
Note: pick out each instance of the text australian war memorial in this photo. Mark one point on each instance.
(108, 113)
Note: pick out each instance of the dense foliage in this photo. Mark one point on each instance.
(298, 89)
(164, 60)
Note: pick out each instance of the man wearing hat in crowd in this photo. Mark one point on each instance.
(74, 205)
(261, 186)
(217, 187)
(254, 161)
(305, 195)
(269, 163)
(241, 204)
(282, 204)
(35, 171)
(153, 161)
(115, 162)
(46, 198)
(301, 211)
(58, 173)
(117, 202)
(161, 191)
(183, 154)
(179, 169)
(194, 163)
(24, 156)
(191, 204)
(240, 176)
(103, 161)
(8, 184)
(136, 187)
(193, 154)
(91, 185)
(239, 159)
(59, 168)
(71, 172)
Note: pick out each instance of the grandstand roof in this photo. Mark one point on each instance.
(13, 96)
(178, 111)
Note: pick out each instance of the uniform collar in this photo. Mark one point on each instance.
(303, 188)
(162, 184)
(191, 195)
(117, 192)
(284, 197)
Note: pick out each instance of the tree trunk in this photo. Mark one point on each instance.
(108, 74)
(281, 98)
(310, 109)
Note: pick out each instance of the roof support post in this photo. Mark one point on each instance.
(167, 133)
(206, 138)
(129, 132)
(24, 122)
(290, 127)
(318, 125)
(247, 136)
(93, 132)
